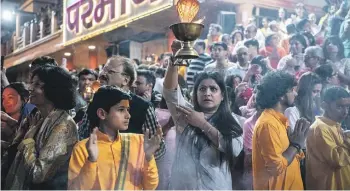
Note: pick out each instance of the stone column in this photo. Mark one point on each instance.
(33, 31)
(18, 31)
(18, 25)
(26, 35)
(42, 29)
(53, 22)
(14, 42)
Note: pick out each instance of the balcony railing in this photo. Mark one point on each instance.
(46, 23)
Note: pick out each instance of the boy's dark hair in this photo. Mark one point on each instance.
(335, 93)
(274, 85)
(252, 42)
(324, 71)
(87, 72)
(105, 98)
(150, 76)
(223, 45)
(200, 43)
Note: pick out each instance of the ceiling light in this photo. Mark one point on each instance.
(7, 15)
(67, 54)
(92, 47)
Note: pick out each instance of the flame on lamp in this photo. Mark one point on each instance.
(91, 90)
(187, 10)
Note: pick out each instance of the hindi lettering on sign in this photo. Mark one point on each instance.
(98, 16)
(87, 14)
(75, 24)
(100, 10)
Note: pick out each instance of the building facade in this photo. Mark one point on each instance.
(76, 33)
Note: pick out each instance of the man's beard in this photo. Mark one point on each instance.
(286, 103)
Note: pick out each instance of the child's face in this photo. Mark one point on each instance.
(118, 116)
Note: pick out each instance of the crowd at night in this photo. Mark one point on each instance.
(264, 106)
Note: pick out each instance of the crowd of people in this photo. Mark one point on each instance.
(260, 108)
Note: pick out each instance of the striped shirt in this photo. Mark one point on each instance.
(196, 66)
(224, 71)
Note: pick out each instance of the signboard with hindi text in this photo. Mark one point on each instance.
(84, 19)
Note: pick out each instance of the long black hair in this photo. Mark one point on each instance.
(304, 100)
(222, 120)
(285, 15)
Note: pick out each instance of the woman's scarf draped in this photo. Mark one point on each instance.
(19, 176)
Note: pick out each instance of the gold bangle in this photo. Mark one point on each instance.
(208, 130)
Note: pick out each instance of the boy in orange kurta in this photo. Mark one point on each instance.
(110, 160)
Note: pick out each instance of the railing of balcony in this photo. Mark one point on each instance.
(47, 22)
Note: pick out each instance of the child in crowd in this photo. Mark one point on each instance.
(111, 160)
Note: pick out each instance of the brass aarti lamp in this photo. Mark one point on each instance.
(186, 31)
